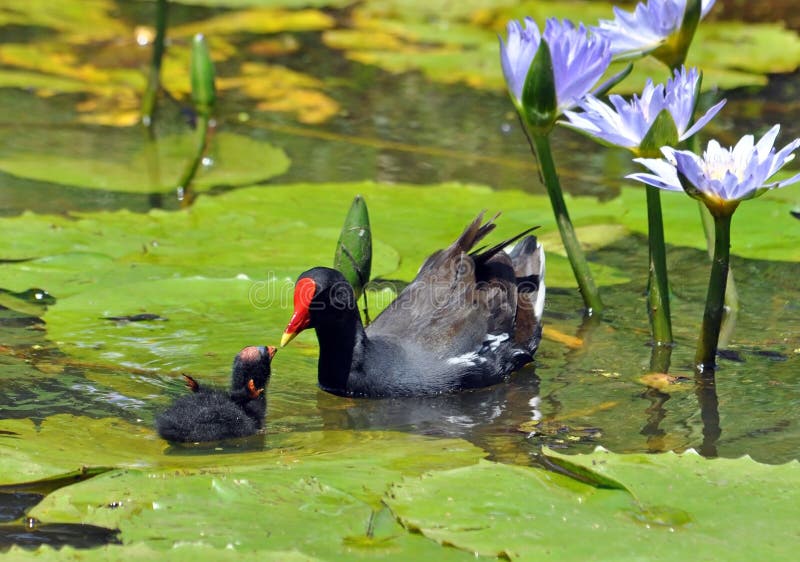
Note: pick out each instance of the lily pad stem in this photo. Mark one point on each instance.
(705, 357)
(540, 144)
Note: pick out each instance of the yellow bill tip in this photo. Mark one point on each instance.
(287, 337)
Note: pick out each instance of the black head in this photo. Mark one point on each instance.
(251, 364)
(322, 296)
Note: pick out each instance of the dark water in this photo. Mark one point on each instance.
(403, 128)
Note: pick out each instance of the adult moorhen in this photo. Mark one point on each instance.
(211, 415)
(469, 319)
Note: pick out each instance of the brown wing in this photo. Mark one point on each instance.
(457, 297)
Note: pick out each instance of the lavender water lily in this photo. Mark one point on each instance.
(661, 28)
(546, 74)
(721, 179)
(662, 115)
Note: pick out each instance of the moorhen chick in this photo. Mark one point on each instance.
(210, 415)
(469, 319)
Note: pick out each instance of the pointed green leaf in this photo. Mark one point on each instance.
(539, 100)
(354, 248)
(663, 132)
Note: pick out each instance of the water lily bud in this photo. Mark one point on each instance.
(539, 101)
(354, 250)
(202, 75)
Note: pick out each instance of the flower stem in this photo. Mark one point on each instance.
(705, 357)
(657, 285)
(540, 143)
(731, 293)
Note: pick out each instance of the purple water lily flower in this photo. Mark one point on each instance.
(627, 123)
(579, 60)
(649, 26)
(723, 176)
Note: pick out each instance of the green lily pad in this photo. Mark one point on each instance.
(755, 230)
(222, 271)
(146, 553)
(275, 3)
(281, 89)
(678, 506)
(452, 44)
(255, 230)
(206, 322)
(41, 82)
(72, 18)
(236, 160)
(257, 20)
(313, 493)
(186, 265)
(64, 443)
(317, 508)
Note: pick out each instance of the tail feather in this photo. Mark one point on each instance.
(475, 232)
(486, 255)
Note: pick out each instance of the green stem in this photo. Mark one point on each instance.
(705, 357)
(155, 199)
(367, 319)
(731, 293)
(154, 78)
(660, 358)
(540, 143)
(657, 286)
(184, 189)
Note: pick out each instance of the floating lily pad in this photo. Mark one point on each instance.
(276, 3)
(459, 44)
(64, 443)
(755, 231)
(73, 18)
(266, 234)
(313, 493)
(679, 506)
(234, 160)
(135, 552)
(257, 20)
(315, 508)
(254, 230)
(207, 322)
(185, 266)
(280, 89)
